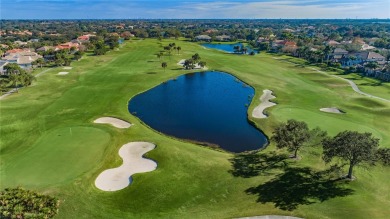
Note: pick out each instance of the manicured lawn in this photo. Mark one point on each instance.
(370, 85)
(190, 181)
(70, 151)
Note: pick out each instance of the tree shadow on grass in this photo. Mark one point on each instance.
(251, 164)
(299, 186)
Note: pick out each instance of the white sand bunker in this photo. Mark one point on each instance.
(133, 162)
(331, 110)
(63, 73)
(196, 66)
(264, 103)
(67, 68)
(114, 122)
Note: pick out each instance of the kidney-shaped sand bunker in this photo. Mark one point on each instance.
(133, 162)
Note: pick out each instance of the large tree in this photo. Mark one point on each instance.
(26, 79)
(291, 135)
(352, 147)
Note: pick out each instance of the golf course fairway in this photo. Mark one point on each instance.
(49, 142)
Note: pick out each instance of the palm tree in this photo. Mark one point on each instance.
(202, 64)
(196, 57)
(40, 61)
(188, 64)
(328, 49)
(15, 79)
(164, 65)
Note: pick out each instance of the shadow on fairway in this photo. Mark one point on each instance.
(250, 164)
(299, 186)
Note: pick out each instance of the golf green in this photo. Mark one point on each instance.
(59, 156)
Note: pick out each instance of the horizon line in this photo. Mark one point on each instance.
(26, 19)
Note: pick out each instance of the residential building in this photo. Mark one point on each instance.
(68, 45)
(2, 64)
(203, 38)
(223, 38)
(46, 48)
(359, 58)
(23, 58)
(338, 54)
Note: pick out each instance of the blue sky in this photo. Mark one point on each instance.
(156, 9)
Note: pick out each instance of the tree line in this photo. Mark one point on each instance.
(350, 147)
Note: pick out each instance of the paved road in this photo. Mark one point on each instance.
(8, 93)
(43, 72)
(353, 85)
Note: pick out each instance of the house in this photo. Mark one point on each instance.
(20, 43)
(68, 45)
(14, 51)
(367, 47)
(360, 58)
(338, 54)
(332, 43)
(85, 38)
(46, 48)
(2, 64)
(277, 44)
(211, 31)
(284, 46)
(203, 38)
(262, 39)
(371, 57)
(223, 38)
(23, 58)
(289, 47)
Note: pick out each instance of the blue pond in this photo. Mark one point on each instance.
(205, 107)
(227, 47)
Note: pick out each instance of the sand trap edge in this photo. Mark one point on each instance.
(258, 112)
(332, 110)
(133, 162)
(118, 123)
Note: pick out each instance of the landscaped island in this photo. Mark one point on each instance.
(50, 144)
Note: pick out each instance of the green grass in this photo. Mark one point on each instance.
(370, 85)
(190, 181)
(70, 151)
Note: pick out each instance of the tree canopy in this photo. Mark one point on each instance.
(351, 146)
(291, 135)
(22, 203)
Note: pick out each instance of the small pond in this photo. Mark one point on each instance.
(205, 107)
(228, 47)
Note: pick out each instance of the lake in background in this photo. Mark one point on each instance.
(206, 107)
(227, 47)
